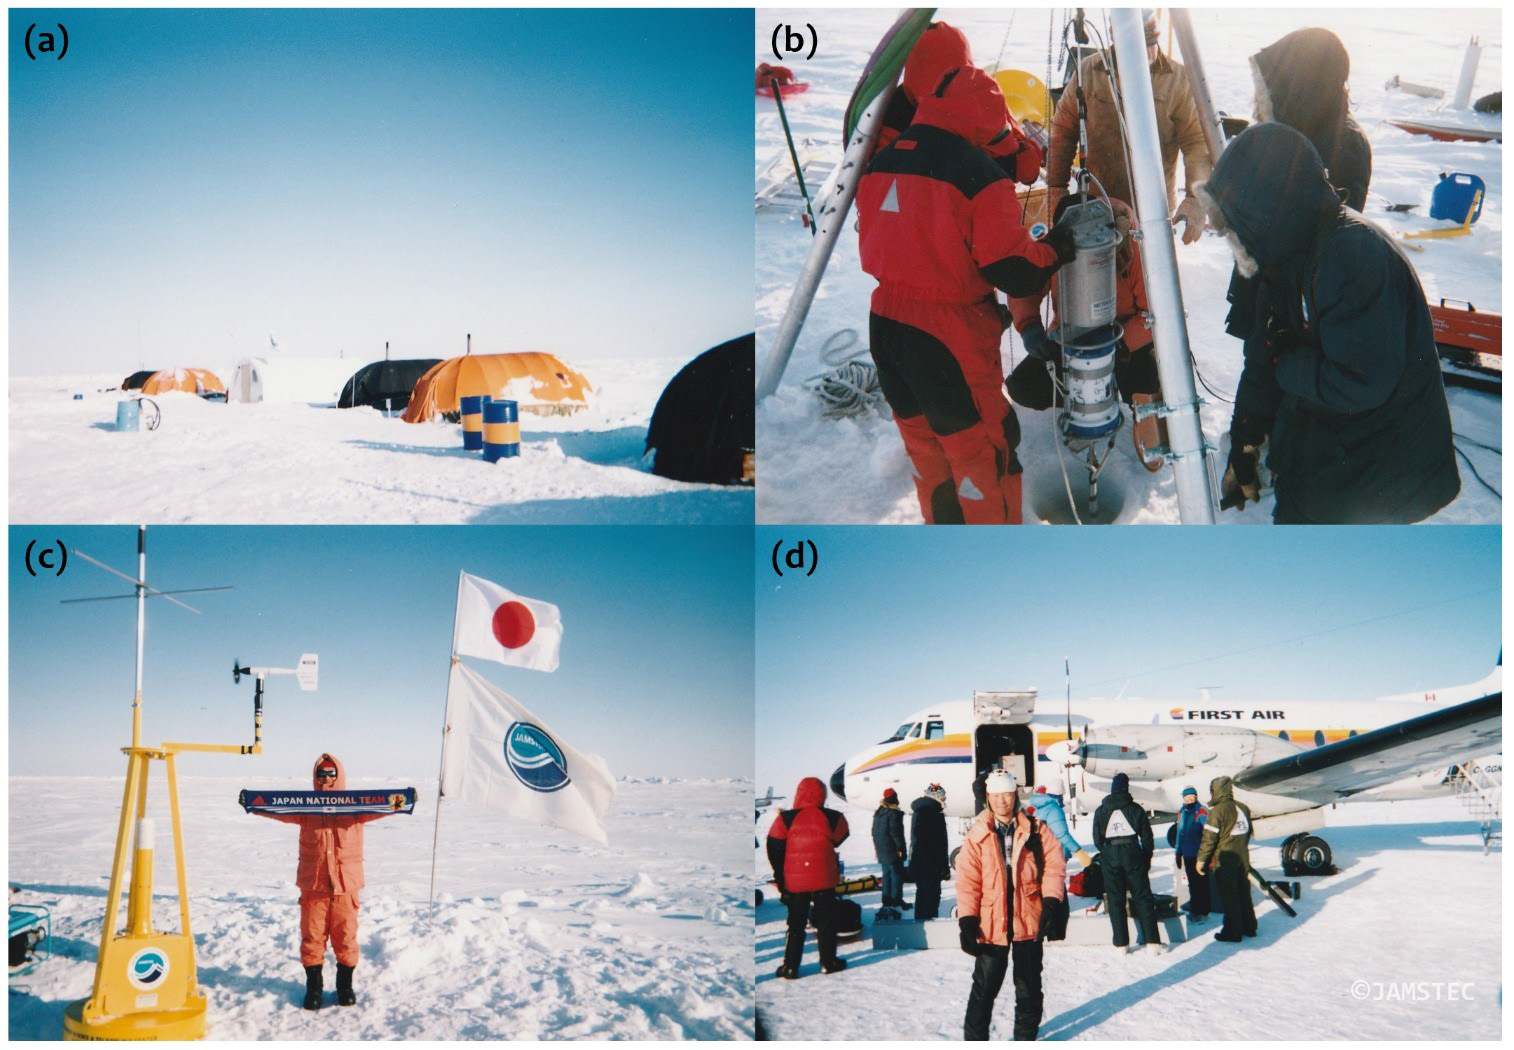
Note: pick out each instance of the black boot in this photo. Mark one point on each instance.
(313, 987)
(344, 993)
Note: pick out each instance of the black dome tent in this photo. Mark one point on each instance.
(136, 380)
(703, 428)
(384, 384)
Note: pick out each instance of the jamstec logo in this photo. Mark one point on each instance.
(147, 968)
(535, 759)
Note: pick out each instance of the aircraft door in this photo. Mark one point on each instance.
(1011, 747)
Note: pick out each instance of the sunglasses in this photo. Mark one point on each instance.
(325, 774)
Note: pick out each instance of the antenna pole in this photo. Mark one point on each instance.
(136, 700)
(1067, 673)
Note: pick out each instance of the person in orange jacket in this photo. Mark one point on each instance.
(329, 876)
(1011, 894)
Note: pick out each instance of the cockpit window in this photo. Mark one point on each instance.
(914, 731)
(899, 734)
(935, 730)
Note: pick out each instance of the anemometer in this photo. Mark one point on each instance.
(145, 981)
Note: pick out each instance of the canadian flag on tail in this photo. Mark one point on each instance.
(496, 753)
(495, 624)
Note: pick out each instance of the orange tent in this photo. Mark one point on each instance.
(539, 382)
(194, 380)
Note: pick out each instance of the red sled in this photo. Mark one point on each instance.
(1470, 342)
(797, 87)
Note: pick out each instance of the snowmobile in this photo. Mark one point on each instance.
(31, 929)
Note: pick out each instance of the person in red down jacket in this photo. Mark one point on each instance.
(939, 228)
(802, 849)
(942, 48)
(329, 876)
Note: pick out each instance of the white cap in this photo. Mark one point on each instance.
(999, 782)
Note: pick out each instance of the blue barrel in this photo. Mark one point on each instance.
(473, 422)
(501, 430)
(1457, 197)
(128, 415)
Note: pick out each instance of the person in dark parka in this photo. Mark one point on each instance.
(889, 845)
(802, 850)
(1226, 849)
(1340, 367)
(1122, 835)
(1301, 81)
(1189, 833)
(927, 850)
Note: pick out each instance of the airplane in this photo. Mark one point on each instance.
(1289, 760)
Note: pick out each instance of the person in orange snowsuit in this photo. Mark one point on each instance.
(329, 876)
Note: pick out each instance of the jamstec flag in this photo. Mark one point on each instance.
(495, 624)
(498, 754)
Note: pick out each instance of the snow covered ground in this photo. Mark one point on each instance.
(1403, 942)
(217, 463)
(854, 471)
(538, 934)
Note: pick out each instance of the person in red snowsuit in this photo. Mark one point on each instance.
(942, 48)
(329, 876)
(939, 227)
(802, 850)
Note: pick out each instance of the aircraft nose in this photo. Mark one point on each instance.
(838, 782)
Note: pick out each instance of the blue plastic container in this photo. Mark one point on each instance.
(473, 422)
(1455, 195)
(501, 430)
(128, 415)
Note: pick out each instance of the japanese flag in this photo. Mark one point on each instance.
(495, 624)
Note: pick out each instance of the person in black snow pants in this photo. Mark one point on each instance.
(888, 843)
(1190, 830)
(1122, 835)
(927, 850)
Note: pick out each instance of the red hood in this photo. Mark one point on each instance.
(940, 48)
(341, 773)
(971, 105)
(810, 792)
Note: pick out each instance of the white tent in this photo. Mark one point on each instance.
(312, 380)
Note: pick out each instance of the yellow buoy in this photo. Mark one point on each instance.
(1024, 94)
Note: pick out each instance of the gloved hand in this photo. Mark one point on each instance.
(1053, 919)
(1061, 240)
(1005, 317)
(1082, 857)
(1241, 482)
(1036, 343)
(1191, 214)
(968, 927)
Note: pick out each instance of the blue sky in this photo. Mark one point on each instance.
(571, 181)
(656, 658)
(896, 619)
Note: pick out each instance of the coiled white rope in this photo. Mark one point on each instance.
(851, 386)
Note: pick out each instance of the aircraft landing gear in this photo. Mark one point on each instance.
(1306, 854)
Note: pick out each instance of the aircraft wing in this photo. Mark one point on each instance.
(1440, 738)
